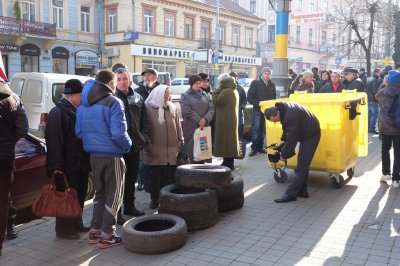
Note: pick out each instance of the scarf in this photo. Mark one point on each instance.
(156, 99)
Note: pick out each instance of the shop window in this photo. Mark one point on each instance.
(161, 66)
(28, 10)
(148, 21)
(235, 36)
(112, 20)
(29, 63)
(189, 22)
(85, 19)
(169, 25)
(58, 13)
(60, 65)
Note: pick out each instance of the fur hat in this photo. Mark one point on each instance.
(73, 86)
(193, 79)
(204, 76)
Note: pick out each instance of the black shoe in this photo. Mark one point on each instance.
(83, 229)
(133, 212)
(303, 194)
(120, 219)
(11, 232)
(154, 204)
(140, 187)
(72, 236)
(262, 151)
(252, 153)
(284, 199)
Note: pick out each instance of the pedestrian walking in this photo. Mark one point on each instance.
(298, 125)
(389, 132)
(226, 101)
(334, 85)
(261, 89)
(166, 138)
(65, 155)
(138, 130)
(14, 125)
(373, 107)
(197, 112)
(101, 125)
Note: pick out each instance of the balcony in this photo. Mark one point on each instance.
(14, 26)
(206, 43)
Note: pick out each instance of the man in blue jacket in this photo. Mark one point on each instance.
(101, 125)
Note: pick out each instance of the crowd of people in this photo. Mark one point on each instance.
(125, 135)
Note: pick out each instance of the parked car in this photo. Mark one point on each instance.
(30, 172)
(163, 78)
(245, 83)
(39, 92)
(179, 86)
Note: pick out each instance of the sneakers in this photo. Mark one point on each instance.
(107, 241)
(395, 184)
(385, 178)
(94, 236)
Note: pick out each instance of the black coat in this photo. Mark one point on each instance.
(298, 123)
(136, 118)
(64, 150)
(356, 84)
(328, 88)
(13, 122)
(242, 98)
(364, 79)
(259, 91)
(373, 84)
(144, 91)
(320, 84)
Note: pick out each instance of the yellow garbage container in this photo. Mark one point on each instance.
(343, 118)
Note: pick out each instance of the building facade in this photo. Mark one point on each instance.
(56, 36)
(178, 36)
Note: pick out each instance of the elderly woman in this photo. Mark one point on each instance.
(325, 79)
(197, 112)
(307, 84)
(159, 157)
(226, 100)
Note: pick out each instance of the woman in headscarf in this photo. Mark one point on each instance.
(226, 100)
(159, 157)
(197, 112)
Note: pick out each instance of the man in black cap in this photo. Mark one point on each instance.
(353, 82)
(65, 155)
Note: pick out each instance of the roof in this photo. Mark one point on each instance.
(231, 6)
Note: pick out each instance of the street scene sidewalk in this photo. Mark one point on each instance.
(357, 224)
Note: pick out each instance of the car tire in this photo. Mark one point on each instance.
(231, 197)
(202, 176)
(90, 188)
(176, 199)
(154, 234)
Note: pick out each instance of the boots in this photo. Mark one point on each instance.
(11, 232)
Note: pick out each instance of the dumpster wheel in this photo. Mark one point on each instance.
(337, 180)
(280, 176)
(350, 172)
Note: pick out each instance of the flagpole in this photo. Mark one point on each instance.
(216, 50)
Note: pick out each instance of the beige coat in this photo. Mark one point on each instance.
(166, 139)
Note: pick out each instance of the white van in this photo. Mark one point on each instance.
(39, 92)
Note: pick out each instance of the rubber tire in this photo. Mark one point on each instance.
(154, 242)
(335, 184)
(197, 220)
(231, 197)
(176, 199)
(202, 176)
(282, 178)
(90, 189)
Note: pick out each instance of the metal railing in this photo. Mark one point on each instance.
(18, 26)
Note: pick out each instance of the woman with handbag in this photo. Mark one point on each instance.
(197, 112)
(166, 138)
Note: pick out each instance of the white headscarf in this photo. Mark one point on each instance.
(156, 99)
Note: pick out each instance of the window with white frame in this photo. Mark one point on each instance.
(312, 5)
(112, 20)
(58, 13)
(298, 32)
(299, 5)
(249, 38)
(221, 33)
(205, 26)
(334, 38)
(323, 37)
(271, 33)
(235, 36)
(310, 36)
(85, 18)
(169, 25)
(28, 10)
(148, 21)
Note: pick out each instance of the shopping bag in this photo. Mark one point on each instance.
(202, 147)
(52, 203)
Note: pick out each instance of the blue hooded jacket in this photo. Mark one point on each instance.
(101, 123)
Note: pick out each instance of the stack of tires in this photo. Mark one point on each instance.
(200, 192)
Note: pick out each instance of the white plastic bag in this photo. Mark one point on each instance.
(202, 148)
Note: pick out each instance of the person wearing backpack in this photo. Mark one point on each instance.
(389, 127)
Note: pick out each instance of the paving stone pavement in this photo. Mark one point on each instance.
(355, 225)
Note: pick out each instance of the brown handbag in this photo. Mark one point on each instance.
(52, 203)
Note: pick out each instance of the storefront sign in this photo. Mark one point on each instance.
(60, 52)
(242, 60)
(87, 58)
(155, 51)
(307, 18)
(131, 36)
(45, 57)
(30, 49)
(9, 48)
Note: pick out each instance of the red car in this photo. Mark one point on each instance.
(30, 172)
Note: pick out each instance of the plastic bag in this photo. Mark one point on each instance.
(202, 148)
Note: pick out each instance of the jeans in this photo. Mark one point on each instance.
(387, 142)
(373, 112)
(258, 136)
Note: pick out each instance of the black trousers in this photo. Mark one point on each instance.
(306, 153)
(132, 160)
(78, 181)
(387, 142)
(6, 177)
